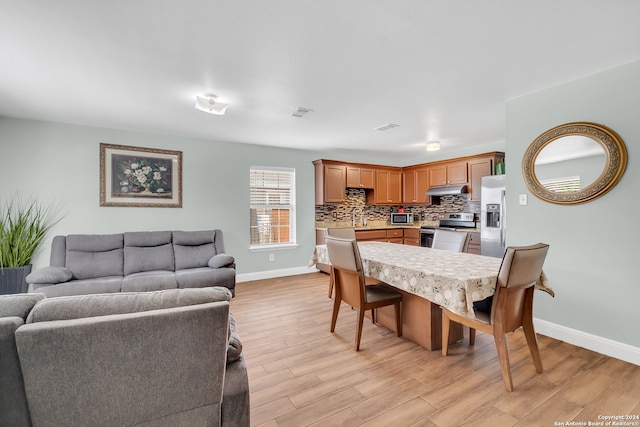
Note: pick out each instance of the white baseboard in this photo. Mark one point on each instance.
(270, 274)
(591, 342)
(616, 349)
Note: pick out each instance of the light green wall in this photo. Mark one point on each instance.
(593, 259)
(59, 162)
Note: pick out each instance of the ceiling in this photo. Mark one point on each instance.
(440, 69)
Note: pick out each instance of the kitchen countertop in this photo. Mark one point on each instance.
(382, 225)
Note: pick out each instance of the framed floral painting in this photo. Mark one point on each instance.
(140, 177)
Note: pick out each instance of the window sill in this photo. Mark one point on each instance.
(261, 248)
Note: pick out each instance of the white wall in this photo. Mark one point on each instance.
(593, 259)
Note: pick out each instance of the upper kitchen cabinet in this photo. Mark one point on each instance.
(331, 182)
(449, 173)
(479, 167)
(388, 189)
(360, 177)
(415, 183)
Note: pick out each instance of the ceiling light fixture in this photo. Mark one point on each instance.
(433, 146)
(208, 104)
(301, 111)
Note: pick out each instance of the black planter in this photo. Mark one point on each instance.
(13, 279)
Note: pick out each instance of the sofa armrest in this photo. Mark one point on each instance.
(222, 260)
(49, 276)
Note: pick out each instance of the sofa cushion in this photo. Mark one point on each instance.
(18, 305)
(193, 248)
(90, 256)
(221, 260)
(137, 259)
(50, 275)
(81, 306)
(149, 281)
(99, 285)
(206, 276)
(147, 251)
(147, 238)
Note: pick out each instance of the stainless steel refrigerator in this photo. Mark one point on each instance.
(493, 216)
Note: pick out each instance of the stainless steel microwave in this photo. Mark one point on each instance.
(398, 218)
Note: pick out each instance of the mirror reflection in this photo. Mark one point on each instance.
(570, 163)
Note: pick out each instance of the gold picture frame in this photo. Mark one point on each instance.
(140, 177)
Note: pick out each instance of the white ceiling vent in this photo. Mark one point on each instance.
(300, 112)
(387, 126)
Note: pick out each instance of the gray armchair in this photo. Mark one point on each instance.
(161, 358)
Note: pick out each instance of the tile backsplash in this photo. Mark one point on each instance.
(355, 199)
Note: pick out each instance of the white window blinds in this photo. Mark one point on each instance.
(272, 205)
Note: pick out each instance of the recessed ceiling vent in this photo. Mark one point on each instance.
(301, 112)
(387, 126)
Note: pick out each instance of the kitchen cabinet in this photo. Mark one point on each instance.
(371, 235)
(415, 183)
(411, 236)
(358, 177)
(331, 182)
(449, 173)
(388, 187)
(396, 186)
(395, 235)
(478, 169)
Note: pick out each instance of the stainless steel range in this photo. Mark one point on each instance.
(448, 221)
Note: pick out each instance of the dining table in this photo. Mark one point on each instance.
(428, 280)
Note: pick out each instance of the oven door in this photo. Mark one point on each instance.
(426, 237)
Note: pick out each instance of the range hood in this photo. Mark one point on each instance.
(444, 190)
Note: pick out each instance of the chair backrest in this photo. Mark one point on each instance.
(455, 241)
(520, 269)
(343, 233)
(346, 267)
(119, 359)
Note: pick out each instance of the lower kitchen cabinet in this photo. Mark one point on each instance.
(411, 236)
(371, 235)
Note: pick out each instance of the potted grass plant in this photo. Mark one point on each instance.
(23, 225)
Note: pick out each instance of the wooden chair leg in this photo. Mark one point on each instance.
(373, 316)
(331, 280)
(472, 337)
(359, 328)
(446, 324)
(334, 316)
(532, 342)
(503, 356)
(398, 311)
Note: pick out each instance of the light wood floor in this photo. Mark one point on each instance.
(301, 374)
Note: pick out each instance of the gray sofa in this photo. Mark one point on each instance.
(163, 358)
(134, 261)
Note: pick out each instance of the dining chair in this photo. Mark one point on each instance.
(344, 233)
(456, 241)
(351, 287)
(512, 306)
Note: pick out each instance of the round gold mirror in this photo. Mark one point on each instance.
(574, 163)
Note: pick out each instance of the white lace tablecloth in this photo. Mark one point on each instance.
(450, 279)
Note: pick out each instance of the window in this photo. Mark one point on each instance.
(273, 207)
(567, 184)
